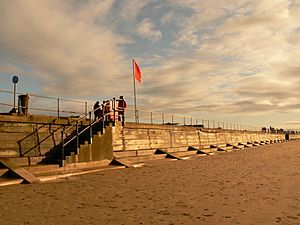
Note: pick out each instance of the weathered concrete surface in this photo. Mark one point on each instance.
(35, 136)
(132, 138)
(31, 135)
(101, 148)
(260, 186)
(20, 171)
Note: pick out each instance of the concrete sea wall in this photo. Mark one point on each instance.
(142, 139)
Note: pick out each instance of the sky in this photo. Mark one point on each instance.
(235, 61)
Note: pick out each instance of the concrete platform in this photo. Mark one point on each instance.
(140, 159)
(10, 181)
(64, 174)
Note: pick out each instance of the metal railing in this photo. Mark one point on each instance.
(39, 104)
(145, 116)
(108, 114)
(65, 107)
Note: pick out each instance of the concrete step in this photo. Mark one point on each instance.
(27, 161)
(132, 153)
(185, 153)
(246, 144)
(145, 152)
(64, 173)
(20, 171)
(139, 159)
(42, 168)
(225, 148)
(209, 151)
(259, 143)
(123, 154)
(176, 149)
(238, 147)
(3, 171)
(10, 181)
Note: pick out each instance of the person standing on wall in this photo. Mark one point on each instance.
(96, 110)
(122, 105)
(106, 115)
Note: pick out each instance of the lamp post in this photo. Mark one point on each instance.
(15, 80)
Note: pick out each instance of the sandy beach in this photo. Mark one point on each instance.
(259, 185)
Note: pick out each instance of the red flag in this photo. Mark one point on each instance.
(137, 72)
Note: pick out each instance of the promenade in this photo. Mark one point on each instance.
(258, 185)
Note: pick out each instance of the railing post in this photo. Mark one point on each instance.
(172, 119)
(208, 124)
(91, 128)
(137, 119)
(196, 122)
(103, 118)
(57, 107)
(151, 117)
(114, 108)
(85, 109)
(77, 137)
(62, 149)
(163, 118)
(184, 120)
(122, 117)
(191, 121)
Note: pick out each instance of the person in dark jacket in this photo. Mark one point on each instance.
(96, 110)
(122, 105)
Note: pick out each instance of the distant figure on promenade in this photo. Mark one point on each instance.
(122, 105)
(96, 110)
(106, 110)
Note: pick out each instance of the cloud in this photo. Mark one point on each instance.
(147, 30)
(132, 8)
(168, 18)
(69, 54)
(216, 57)
(250, 47)
(88, 11)
(296, 122)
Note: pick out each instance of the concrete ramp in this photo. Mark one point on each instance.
(23, 173)
(121, 162)
(168, 154)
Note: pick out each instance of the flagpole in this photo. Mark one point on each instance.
(133, 77)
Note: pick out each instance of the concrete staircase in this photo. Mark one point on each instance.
(33, 145)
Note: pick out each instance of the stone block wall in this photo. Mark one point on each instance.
(141, 137)
(30, 136)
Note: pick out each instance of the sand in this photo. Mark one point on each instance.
(254, 186)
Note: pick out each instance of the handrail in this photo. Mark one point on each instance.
(88, 127)
(55, 101)
(41, 96)
(163, 118)
(36, 132)
(85, 116)
(160, 117)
